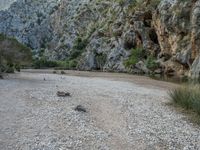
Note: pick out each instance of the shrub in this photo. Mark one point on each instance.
(80, 43)
(142, 5)
(187, 96)
(78, 47)
(75, 53)
(154, 3)
(136, 55)
(68, 64)
(44, 63)
(151, 63)
(17, 67)
(57, 65)
(73, 64)
(61, 65)
(10, 70)
(100, 60)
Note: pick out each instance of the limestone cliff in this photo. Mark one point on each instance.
(146, 36)
(177, 25)
(5, 4)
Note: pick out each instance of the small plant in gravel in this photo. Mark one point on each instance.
(187, 96)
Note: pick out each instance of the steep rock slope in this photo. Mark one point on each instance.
(109, 30)
(177, 25)
(5, 4)
(28, 21)
(160, 36)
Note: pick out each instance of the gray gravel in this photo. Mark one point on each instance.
(120, 115)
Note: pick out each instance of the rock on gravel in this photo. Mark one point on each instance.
(63, 94)
(80, 108)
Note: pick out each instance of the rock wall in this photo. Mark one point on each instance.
(29, 21)
(178, 26)
(102, 35)
(5, 4)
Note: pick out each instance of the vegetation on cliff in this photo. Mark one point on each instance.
(13, 54)
(136, 55)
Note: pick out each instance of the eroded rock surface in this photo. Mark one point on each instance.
(5, 4)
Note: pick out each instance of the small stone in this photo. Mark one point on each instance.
(63, 94)
(80, 108)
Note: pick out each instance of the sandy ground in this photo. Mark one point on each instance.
(124, 112)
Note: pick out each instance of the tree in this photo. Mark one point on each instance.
(13, 53)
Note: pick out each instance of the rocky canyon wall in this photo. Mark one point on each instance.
(5, 4)
(147, 36)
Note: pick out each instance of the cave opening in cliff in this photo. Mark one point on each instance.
(153, 36)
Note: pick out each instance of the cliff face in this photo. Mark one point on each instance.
(177, 25)
(28, 21)
(5, 4)
(109, 35)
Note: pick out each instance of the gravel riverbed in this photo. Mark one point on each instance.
(122, 114)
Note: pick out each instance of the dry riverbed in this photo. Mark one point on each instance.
(124, 112)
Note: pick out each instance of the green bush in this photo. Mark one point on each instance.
(73, 64)
(187, 96)
(136, 55)
(75, 53)
(78, 47)
(142, 5)
(17, 67)
(80, 43)
(68, 64)
(151, 63)
(57, 65)
(10, 70)
(100, 60)
(44, 63)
